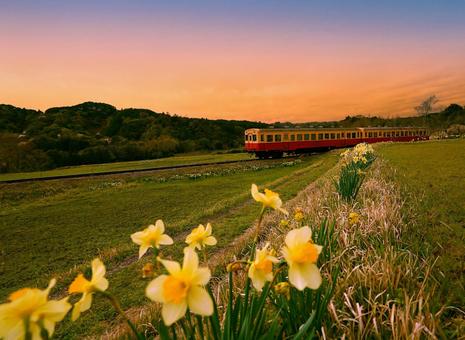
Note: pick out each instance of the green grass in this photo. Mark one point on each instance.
(59, 232)
(122, 166)
(433, 177)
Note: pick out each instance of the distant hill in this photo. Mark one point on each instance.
(98, 133)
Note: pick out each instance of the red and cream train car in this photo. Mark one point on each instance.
(266, 143)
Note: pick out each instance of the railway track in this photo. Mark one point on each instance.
(122, 172)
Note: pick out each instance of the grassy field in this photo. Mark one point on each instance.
(123, 166)
(432, 175)
(54, 229)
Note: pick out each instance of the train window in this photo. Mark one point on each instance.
(326, 135)
(338, 136)
(370, 134)
(299, 136)
(277, 138)
(262, 138)
(269, 138)
(254, 137)
(343, 135)
(375, 134)
(306, 136)
(320, 136)
(292, 138)
(313, 136)
(286, 136)
(333, 136)
(354, 135)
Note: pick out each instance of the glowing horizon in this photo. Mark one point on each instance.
(261, 60)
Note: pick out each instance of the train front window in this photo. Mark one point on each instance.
(269, 138)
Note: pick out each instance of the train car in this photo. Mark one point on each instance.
(266, 143)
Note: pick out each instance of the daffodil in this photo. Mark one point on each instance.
(284, 223)
(29, 308)
(301, 255)
(261, 269)
(182, 288)
(353, 218)
(268, 199)
(283, 288)
(299, 216)
(201, 237)
(151, 237)
(98, 283)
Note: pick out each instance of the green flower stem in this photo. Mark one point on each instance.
(116, 305)
(27, 331)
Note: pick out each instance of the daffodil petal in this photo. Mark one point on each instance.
(296, 277)
(258, 196)
(160, 226)
(101, 284)
(137, 237)
(171, 266)
(191, 260)
(210, 241)
(199, 301)
(11, 328)
(312, 276)
(142, 250)
(98, 268)
(201, 277)
(284, 211)
(86, 302)
(165, 239)
(76, 311)
(172, 312)
(154, 290)
(54, 310)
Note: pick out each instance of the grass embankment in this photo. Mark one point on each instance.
(389, 284)
(127, 166)
(433, 177)
(47, 232)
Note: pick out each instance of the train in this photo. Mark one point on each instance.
(274, 142)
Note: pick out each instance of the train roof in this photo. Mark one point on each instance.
(336, 129)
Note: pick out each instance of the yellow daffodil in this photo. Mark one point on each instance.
(268, 199)
(182, 288)
(299, 216)
(261, 269)
(283, 288)
(147, 270)
(284, 223)
(301, 255)
(151, 237)
(201, 237)
(98, 283)
(30, 308)
(353, 218)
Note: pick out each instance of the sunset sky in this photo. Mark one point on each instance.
(257, 60)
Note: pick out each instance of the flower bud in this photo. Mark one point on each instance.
(147, 270)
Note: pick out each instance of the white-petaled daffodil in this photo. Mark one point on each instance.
(268, 199)
(182, 288)
(151, 237)
(29, 308)
(98, 283)
(201, 237)
(301, 255)
(261, 269)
